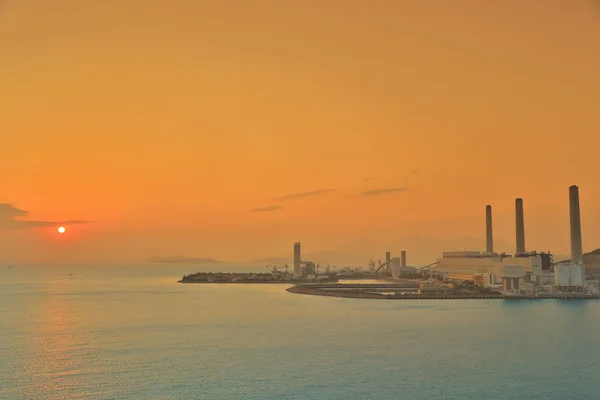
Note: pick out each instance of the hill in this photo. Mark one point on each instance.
(180, 260)
(591, 261)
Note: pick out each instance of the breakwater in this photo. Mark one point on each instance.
(369, 292)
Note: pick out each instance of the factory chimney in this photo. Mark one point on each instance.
(388, 258)
(489, 236)
(576, 246)
(297, 260)
(520, 223)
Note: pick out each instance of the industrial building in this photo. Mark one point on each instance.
(523, 271)
(304, 270)
(393, 266)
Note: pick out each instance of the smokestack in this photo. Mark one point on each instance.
(403, 258)
(489, 236)
(520, 226)
(297, 259)
(388, 257)
(576, 246)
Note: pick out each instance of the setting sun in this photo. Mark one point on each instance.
(61, 229)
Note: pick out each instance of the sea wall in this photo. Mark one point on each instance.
(358, 294)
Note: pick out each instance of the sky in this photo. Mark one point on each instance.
(230, 129)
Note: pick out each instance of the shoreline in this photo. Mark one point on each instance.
(239, 283)
(315, 291)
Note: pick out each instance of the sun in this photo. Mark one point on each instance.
(61, 229)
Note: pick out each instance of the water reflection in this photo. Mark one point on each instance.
(54, 365)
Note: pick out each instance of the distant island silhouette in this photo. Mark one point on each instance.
(181, 260)
(271, 260)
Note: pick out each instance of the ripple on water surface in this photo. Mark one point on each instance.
(131, 333)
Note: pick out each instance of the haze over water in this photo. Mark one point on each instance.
(230, 129)
(132, 332)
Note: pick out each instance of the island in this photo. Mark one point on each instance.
(233, 277)
(181, 260)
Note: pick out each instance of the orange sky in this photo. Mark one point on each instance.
(165, 123)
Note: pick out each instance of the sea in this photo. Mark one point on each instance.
(133, 332)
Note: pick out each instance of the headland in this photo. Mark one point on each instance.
(465, 274)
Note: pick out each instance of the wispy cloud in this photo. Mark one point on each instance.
(379, 192)
(369, 178)
(266, 209)
(10, 219)
(302, 195)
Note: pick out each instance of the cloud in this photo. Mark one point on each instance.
(181, 260)
(369, 178)
(9, 219)
(301, 195)
(379, 192)
(266, 209)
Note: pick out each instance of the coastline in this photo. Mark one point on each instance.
(314, 290)
(239, 283)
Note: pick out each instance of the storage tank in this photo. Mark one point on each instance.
(511, 275)
(395, 267)
(566, 275)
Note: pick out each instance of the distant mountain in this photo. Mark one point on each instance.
(421, 250)
(181, 260)
(338, 258)
(591, 261)
(272, 260)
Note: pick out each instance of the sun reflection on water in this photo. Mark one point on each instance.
(55, 369)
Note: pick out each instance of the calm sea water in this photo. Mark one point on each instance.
(134, 333)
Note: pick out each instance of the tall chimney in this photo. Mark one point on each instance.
(403, 258)
(489, 236)
(388, 258)
(576, 246)
(297, 260)
(520, 223)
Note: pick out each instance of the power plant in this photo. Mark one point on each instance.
(524, 271)
(456, 275)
